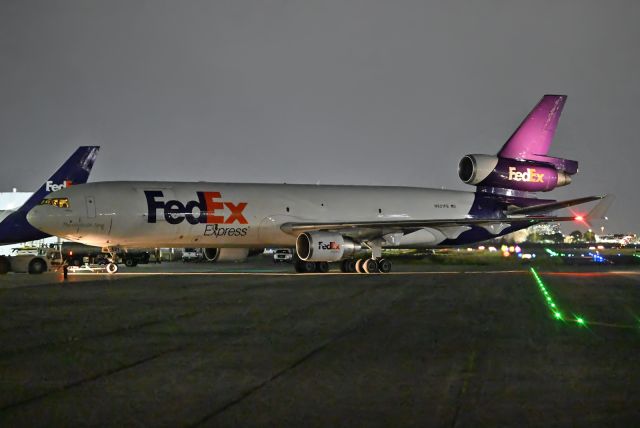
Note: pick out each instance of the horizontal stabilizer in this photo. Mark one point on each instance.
(551, 206)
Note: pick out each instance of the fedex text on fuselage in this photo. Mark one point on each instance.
(209, 209)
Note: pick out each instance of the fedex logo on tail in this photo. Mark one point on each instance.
(210, 209)
(530, 175)
(50, 186)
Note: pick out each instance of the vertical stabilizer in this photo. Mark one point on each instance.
(535, 134)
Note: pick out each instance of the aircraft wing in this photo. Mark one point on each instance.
(381, 227)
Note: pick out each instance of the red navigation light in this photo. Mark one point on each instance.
(579, 218)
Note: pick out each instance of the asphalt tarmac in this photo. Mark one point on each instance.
(455, 347)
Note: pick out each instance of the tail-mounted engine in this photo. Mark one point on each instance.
(525, 175)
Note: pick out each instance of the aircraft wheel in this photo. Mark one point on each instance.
(309, 267)
(358, 266)
(112, 268)
(37, 266)
(370, 266)
(305, 267)
(384, 266)
(322, 267)
(4, 265)
(348, 266)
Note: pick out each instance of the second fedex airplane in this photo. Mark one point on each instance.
(14, 227)
(326, 223)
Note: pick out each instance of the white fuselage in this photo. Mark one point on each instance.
(121, 214)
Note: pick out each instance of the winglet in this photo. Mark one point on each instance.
(600, 210)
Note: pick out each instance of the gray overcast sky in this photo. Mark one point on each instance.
(352, 92)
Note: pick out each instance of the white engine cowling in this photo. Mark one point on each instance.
(225, 254)
(325, 247)
(472, 169)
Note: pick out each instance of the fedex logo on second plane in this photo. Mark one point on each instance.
(208, 204)
(50, 186)
(530, 175)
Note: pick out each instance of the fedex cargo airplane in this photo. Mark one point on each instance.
(326, 223)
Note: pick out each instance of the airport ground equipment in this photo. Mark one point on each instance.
(192, 255)
(77, 254)
(283, 255)
(32, 260)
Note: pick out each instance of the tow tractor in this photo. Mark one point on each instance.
(33, 260)
(37, 260)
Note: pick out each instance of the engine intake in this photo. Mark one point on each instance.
(325, 247)
(472, 169)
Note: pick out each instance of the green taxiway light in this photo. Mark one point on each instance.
(580, 321)
(555, 312)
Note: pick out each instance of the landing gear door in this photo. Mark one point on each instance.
(91, 207)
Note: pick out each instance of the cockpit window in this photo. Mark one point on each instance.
(56, 202)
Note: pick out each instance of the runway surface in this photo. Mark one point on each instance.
(458, 347)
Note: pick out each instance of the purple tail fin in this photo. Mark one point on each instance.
(535, 133)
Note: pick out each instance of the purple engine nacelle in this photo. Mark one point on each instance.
(493, 171)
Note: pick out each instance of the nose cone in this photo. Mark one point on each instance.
(41, 219)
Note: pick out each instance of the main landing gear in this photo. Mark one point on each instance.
(347, 266)
(366, 265)
(310, 267)
(375, 264)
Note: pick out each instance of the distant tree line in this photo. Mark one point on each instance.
(557, 238)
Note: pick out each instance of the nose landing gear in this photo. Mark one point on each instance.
(111, 267)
